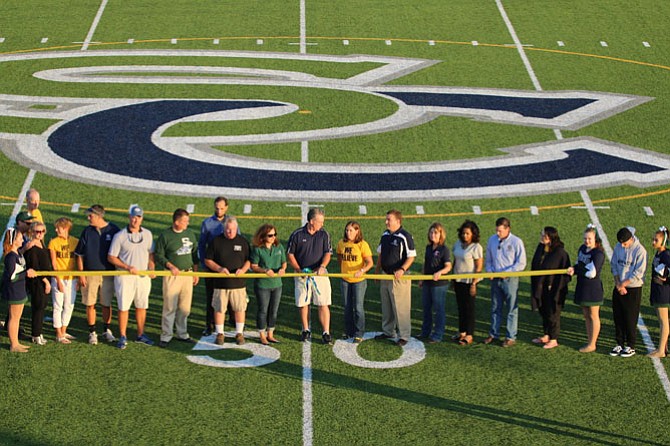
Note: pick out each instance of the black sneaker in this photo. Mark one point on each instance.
(616, 351)
(627, 352)
(306, 335)
(327, 339)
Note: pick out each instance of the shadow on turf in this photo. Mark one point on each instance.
(559, 428)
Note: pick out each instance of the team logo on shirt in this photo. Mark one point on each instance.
(103, 141)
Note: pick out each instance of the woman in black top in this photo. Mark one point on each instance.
(548, 293)
(38, 258)
(660, 289)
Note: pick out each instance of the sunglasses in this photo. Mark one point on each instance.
(41, 231)
(271, 235)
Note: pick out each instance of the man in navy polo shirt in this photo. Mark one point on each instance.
(309, 250)
(396, 254)
(91, 253)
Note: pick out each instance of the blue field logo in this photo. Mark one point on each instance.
(120, 143)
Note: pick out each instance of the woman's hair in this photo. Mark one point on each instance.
(554, 238)
(472, 226)
(664, 232)
(10, 236)
(440, 229)
(599, 241)
(359, 235)
(261, 235)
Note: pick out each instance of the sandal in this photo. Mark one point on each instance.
(467, 340)
(64, 340)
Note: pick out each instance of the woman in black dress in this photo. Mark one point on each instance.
(589, 290)
(548, 293)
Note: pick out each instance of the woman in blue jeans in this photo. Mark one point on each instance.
(434, 292)
(267, 257)
(355, 257)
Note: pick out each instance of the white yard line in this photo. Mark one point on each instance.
(303, 27)
(94, 25)
(307, 426)
(660, 370)
(307, 422)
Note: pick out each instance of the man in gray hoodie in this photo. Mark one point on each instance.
(629, 263)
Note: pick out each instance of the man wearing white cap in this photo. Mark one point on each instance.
(131, 251)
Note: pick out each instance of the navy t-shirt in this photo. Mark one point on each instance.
(309, 249)
(434, 261)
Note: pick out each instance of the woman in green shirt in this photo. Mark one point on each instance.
(267, 257)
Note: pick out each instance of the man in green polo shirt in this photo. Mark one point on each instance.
(177, 251)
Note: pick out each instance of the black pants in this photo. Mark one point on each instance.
(551, 316)
(466, 308)
(626, 310)
(38, 304)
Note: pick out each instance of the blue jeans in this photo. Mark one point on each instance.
(268, 305)
(434, 317)
(504, 291)
(354, 311)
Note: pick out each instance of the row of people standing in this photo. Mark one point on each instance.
(505, 252)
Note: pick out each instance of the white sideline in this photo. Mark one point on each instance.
(660, 370)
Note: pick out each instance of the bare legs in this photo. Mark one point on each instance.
(592, 319)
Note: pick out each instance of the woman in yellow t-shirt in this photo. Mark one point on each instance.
(63, 288)
(355, 257)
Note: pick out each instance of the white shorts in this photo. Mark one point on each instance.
(305, 293)
(132, 289)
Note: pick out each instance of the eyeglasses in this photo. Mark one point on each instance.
(271, 235)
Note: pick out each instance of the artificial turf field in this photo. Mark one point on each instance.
(478, 395)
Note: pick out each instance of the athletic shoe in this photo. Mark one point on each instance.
(144, 339)
(239, 339)
(188, 340)
(616, 351)
(39, 340)
(327, 339)
(108, 336)
(123, 343)
(219, 338)
(627, 352)
(306, 335)
(93, 338)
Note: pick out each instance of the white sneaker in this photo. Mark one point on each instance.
(39, 340)
(93, 338)
(108, 336)
(70, 337)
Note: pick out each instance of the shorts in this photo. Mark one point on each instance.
(306, 294)
(103, 284)
(132, 289)
(237, 298)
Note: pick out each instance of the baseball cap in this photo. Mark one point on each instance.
(95, 209)
(24, 216)
(136, 211)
